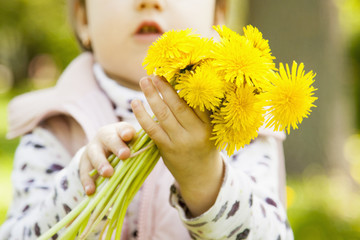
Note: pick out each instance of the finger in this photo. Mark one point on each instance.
(97, 156)
(159, 107)
(181, 110)
(152, 128)
(204, 116)
(126, 132)
(86, 181)
(114, 136)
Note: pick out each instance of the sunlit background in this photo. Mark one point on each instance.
(322, 157)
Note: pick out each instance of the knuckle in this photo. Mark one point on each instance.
(152, 130)
(128, 126)
(163, 113)
(102, 130)
(107, 139)
(122, 126)
(180, 108)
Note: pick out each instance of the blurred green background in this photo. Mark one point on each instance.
(322, 157)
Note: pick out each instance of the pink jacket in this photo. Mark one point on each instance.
(77, 95)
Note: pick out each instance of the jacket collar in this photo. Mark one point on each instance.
(76, 94)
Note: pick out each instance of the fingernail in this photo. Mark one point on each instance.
(87, 188)
(156, 80)
(102, 170)
(143, 78)
(144, 82)
(120, 152)
(135, 103)
(125, 133)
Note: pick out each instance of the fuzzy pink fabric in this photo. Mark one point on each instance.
(82, 100)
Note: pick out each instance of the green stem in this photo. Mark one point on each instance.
(126, 170)
(96, 219)
(100, 210)
(140, 134)
(134, 188)
(109, 185)
(115, 162)
(66, 220)
(83, 226)
(113, 193)
(144, 139)
(135, 167)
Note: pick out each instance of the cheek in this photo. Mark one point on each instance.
(124, 63)
(109, 23)
(107, 38)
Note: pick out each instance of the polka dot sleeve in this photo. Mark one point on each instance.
(46, 186)
(248, 205)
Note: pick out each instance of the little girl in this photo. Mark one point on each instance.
(99, 102)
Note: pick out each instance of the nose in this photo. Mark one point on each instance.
(150, 4)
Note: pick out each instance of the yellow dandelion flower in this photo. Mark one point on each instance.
(255, 36)
(198, 53)
(168, 69)
(237, 121)
(290, 98)
(226, 33)
(227, 139)
(201, 51)
(201, 88)
(175, 51)
(245, 105)
(240, 62)
(171, 45)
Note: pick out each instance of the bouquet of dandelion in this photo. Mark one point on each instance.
(235, 79)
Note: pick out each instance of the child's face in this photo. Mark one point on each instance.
(122, 30)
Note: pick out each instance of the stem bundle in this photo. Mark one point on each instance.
(112, 195)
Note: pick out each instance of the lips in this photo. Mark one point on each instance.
(148, 31)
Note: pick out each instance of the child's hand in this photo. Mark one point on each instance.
(182, 136)
(109, 139)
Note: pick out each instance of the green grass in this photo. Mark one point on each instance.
(7, 148)
(324, 207)
(6, 188)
